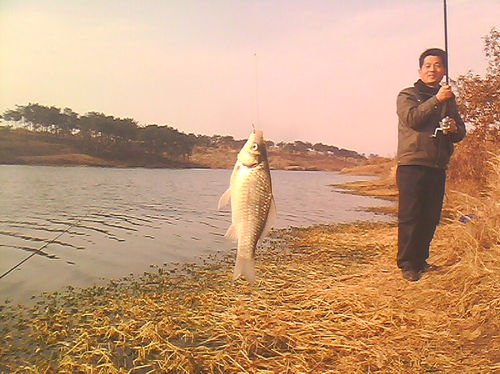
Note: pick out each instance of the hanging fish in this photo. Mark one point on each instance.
(253, 210)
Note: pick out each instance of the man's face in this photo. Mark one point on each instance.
(432, 71)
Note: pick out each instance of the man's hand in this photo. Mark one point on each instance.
(453, 127)
(444, 93)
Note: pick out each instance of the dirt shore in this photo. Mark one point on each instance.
(329, 298)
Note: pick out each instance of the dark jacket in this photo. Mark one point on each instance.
(419, 113)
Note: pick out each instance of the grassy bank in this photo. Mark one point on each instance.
(329, 298)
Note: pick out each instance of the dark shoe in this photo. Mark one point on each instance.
(411, 275)
(428, 267)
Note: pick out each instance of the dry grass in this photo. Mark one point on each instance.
(330, 300)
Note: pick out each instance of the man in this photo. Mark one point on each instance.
(423, 156)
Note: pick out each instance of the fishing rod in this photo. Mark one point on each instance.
(42, 247)
(446, 42)
(444, 124)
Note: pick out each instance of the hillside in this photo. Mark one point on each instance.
(225, 157)
(37, 148)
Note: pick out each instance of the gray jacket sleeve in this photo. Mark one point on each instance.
(453, 113)
(414, 113)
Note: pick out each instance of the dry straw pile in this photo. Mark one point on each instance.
(329, 300)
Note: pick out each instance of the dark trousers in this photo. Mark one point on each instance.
(421, 193)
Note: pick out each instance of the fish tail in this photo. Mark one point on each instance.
(245, 267)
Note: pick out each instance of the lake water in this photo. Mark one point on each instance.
(95, 224)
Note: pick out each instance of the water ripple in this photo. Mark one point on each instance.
(123, 220)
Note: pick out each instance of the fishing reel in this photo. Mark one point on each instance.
(444, 126)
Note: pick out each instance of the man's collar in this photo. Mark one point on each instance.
(429, 90)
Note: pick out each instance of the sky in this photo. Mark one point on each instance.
(322, 71)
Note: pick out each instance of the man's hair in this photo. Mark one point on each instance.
(433, 52)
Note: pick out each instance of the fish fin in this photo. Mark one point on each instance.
(245, 267)
(236, 168)
(224, 199)
(226, 196)
(232, 232)
(271, 219)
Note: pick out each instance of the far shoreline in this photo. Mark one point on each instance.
(377, 168)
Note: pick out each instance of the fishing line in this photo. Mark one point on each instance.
(257, 114)
(42, 247)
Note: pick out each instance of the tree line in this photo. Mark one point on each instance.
(102, 134)
(108, 136)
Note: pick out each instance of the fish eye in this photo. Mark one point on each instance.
(255, 146)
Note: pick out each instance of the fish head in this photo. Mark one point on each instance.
(254, 151)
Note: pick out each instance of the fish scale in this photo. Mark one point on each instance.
(251, 200)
